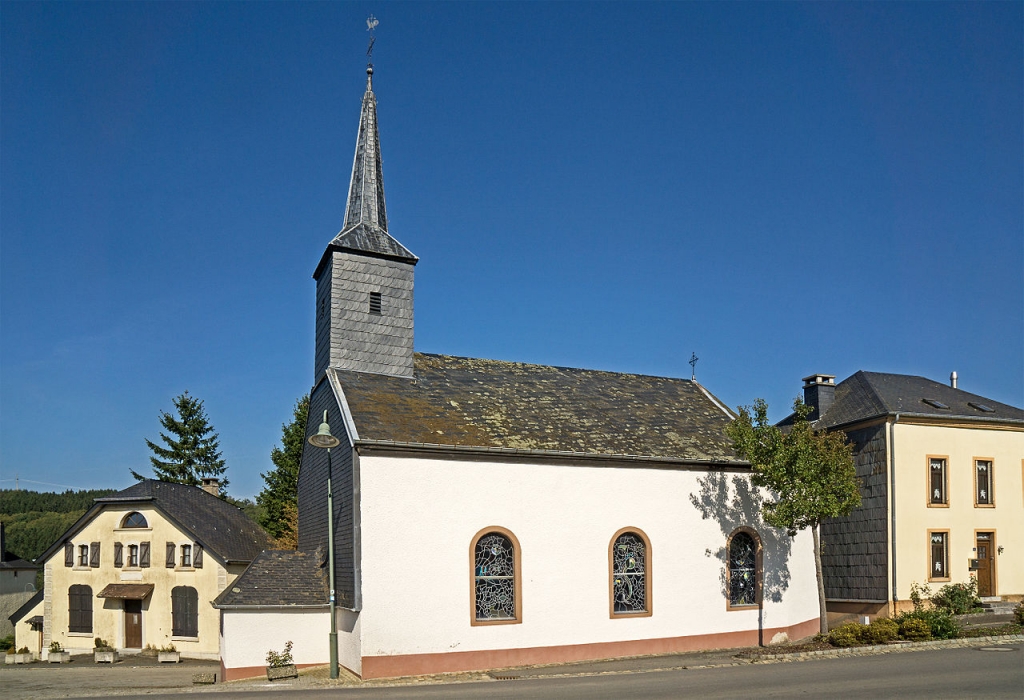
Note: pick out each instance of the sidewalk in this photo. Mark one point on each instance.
(137, 676)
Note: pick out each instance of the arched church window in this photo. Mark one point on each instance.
(496, 577)
(630, 585)
(744, 574)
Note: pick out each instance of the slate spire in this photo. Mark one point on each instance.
(366, 220)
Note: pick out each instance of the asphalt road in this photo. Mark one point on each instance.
(942, 673)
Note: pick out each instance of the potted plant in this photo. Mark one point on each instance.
(9, 656)
(104, 653)
(281, 665)
(168, 655)
(57, 654)
(24, 656)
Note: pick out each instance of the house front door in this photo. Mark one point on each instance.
(984, 553)
(133, 624)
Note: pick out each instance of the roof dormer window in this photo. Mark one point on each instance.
(981, 407)
(936, 403)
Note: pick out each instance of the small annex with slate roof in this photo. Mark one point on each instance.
(279, 578)
(940, 467)
(142, 566)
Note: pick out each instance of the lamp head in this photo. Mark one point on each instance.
(323, 437)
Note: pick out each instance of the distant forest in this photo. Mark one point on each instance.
(33, 520)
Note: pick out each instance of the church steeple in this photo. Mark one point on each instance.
(364, 281)
(366, 219)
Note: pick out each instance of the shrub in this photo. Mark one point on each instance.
(275, 660)
(915, 628)
(847, 635)
(7, 643)
(102, 645)
(55, 647)
(918, 594)
(958, 598)
(23, 650)
(942, 625)
(1018, 612)
(168, 648)
(880, 631)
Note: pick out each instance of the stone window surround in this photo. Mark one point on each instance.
(945, 481)
(758, 569)
(991, 482)
(517, 577)
(648, 610)
(931, 562)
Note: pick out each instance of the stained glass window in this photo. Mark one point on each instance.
(984, 482)
(495, 578)
(629, 574)
(742, 569)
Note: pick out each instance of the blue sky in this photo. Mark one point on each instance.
(781, 188)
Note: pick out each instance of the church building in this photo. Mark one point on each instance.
(490, 514)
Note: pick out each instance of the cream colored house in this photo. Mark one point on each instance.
(141, 568)
(942, 491)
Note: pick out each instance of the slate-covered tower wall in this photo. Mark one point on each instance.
(350, 333)
(855, 548)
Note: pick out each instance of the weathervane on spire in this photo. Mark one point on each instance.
(693, 366)
(371, 24)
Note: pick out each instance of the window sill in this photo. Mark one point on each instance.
(184, 568)
(133, 529)
(628, 615)
(940, 580)
(984, 505)
(175, 638)
(740, 608)
(79, 634)
(938, 505)
(83, 568)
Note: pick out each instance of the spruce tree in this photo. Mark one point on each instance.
(191, 451)
(279, 498)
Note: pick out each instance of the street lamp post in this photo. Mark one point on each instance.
(323, 438)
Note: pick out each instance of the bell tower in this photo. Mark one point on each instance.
(364, 281)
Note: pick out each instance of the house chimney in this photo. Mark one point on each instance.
(211, 485)
(819, 393)
(952, 379)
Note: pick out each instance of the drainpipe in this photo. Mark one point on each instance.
(892, 505)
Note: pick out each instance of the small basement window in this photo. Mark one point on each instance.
(375, 304)
(981, 407)
(936, 403)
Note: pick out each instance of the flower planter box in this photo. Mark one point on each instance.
(276, 673)
(9, 658)
(105, 657)
(168, 657)
(20, 658)
(59, 657)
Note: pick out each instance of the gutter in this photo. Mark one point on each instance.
(324, 606)
(558, 455)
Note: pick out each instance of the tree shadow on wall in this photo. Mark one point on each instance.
(733, 503)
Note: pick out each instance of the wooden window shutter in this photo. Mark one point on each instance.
(69, 554)
(170, 555)
(94, 555)
(118, 554)
(197, 555)
(144, 554)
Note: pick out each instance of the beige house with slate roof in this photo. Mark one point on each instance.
(142, 566)
(490, 514)
(942, 491)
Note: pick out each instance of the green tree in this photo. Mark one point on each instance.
(191, 451)
(279, 498)
(809, 473)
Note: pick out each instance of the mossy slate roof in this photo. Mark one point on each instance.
(278, 578)
(494, 404)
